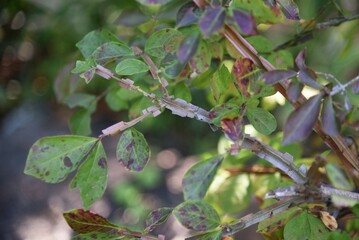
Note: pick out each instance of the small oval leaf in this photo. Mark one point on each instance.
(157, 217)
(262, 120)
(162, 42)
(199, 177)
(111, 50)
(294, 90)
(131, 66)
(329, 124)
(245, 21)
(52, 159)
(91, 177)
(278, 75)
(300, 59)
(212, 20)
(301, 121)
(197, 215)
(132, 150)
(289, 9)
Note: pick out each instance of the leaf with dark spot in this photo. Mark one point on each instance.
(91, 177)
(199, 177)
(197, 215)
(277, 221)
(157, 217)
(212, 20)
(305, 226)
(227, 110)
(329, 124)
(109, 51)
(307, 76)
(132, 150)
(188, 47)
(289, 9)
(88, 75)
(162, 42)
(51, 159)
(262, 120)
(301, 121)
(294, 90)
(245, 21)
(278, 75)
(233, 128)
(83, 221)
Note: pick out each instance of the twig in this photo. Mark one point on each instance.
(342, 88)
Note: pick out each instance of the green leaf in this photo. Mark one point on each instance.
(305, 226)
(83, 66)
(51, 159)
(174, 69)
(220, 82)
(88, 75)
(91, 177)
(80, 100)
(201, 61)
(260, 43)
(83, 221)
(227, 110)
(338, 236)
(337, 177)
(277, 221)
(239, 189)
(199, 177)
(182, 91)
(115, 101)
(93, 40)
(131, 66)
(80, 123)
(282, 59)
(157, 217)
(213, 235)
(262, 120)
(162, 42)
(197, 215)
(110, 51)
(132, 150)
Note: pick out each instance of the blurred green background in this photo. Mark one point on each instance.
(37, 51)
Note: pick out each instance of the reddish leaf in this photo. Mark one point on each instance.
(186, 15)
(241, 69)
(307, 76)
(233, 128)
(300, 59)
(301, 121)
(329, 124)
(188, 47)
(83, 221)
(294, 91)
(245, 22)
(278, 75)
(157, 217)
(212, 21)
(289, 9)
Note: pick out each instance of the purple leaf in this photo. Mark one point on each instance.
(199, 177)
(212, 21)
(289, 9)
(188, 47)
(278, 75)
(329, 124)
(294, 91)
(355, 87)
(157, 217)
(307, 76)
(301, 121)
(186, 15)
(300, 59)
(245, 21)
(197, 215)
